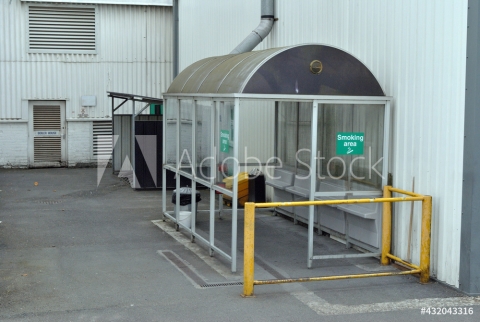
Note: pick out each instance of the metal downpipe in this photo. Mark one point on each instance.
(175, 38)
(259, 33)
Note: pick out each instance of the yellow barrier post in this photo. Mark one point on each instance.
(248, 249)
(386, 226)
(425, 239)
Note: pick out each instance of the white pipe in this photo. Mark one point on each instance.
(262, 30)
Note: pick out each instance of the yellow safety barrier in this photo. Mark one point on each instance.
(423, 269)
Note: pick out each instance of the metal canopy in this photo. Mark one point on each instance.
(134, 97)
(134, 113)
(296, 70)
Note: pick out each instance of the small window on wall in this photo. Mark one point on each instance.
(61, 29)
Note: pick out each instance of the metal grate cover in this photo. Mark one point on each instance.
(221, 284)
(102, 138)
(47, 149)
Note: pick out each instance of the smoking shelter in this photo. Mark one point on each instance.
(329, 140)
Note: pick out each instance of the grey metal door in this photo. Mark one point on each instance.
(47, 134)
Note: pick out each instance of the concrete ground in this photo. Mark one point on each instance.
(74, 251)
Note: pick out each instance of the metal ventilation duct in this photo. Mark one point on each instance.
(259, 33)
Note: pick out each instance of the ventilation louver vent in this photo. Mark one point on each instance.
(102, 139)
(61, 29)
(47, 149)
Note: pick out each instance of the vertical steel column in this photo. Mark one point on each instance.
(313, 179)
(193, 215)
(214, 119)
(386, 226)
(425, 239)
(249, 249)
(275, 137)
(164, 159)
(113, 135)
(236, 171)
(177, 164)
(132, 145)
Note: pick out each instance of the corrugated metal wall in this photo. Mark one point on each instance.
(134, 45)
(416, 49)
(213, 28)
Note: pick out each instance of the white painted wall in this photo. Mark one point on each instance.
(134, 56)
(79, 142)
(13, 143)
(417, 51)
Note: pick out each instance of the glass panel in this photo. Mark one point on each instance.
(349, 142)
(203, 139)
(366, 169)
(171, 110)
(186, 116)
(287, 133)
(224, 144)
(332, 119)
(304, 137)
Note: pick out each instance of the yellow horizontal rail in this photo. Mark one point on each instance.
(334, 202)
(423, 269)
(401, 261)
(404, 192)
(331, 278)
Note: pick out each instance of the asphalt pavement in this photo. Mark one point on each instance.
(72, 250)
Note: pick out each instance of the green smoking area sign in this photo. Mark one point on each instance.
(350, 143)
(224, 141)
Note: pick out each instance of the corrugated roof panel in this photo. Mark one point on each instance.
(286, 70)
(214, 80)
(179, 82)
(244, 70)
(192, 85)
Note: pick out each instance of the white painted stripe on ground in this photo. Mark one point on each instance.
(322, 307)
(162, 253)
(197, 250)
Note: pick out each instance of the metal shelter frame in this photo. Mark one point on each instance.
(237, 98)
(133, 98)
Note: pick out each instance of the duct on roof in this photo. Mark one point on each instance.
(304, 69)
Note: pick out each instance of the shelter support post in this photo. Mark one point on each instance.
(313, 179)
(249, 251)
(132, 145)
(425, 239)
(386, 226)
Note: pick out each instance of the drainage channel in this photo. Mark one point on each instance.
(190, 273)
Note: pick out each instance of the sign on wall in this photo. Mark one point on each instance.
(224, 141)
(350, 143)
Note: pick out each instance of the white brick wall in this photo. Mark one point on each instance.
(79, 143)
(13, 145)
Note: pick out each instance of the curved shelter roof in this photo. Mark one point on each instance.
(287, 70)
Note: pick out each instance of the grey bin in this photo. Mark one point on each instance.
(185, 199)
